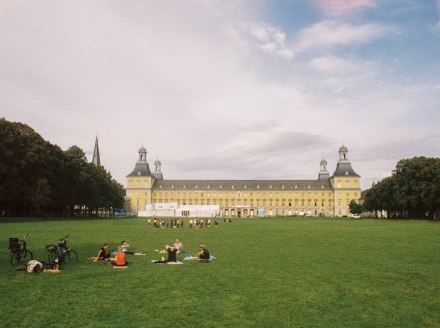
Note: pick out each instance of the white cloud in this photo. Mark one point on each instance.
(340, 73)
(331, 33)
(340, 7)
(268, 38)
(327, 34)
(333, 64)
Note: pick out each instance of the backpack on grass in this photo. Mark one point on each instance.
(34, 266)
(14, 244)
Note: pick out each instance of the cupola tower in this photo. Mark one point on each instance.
(157, 170)
(323, 174)
(346, 184)
(140, 183)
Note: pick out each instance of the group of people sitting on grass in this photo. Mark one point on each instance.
(119, 259)
(172, 251)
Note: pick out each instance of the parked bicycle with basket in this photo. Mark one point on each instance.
(61, 251)
(19, 252)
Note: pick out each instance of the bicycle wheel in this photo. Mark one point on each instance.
(50, 257)
(21, 257)
(27, 256)
(13, 259)
(70, 256)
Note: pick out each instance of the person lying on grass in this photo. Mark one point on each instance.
(102, 254)
(125, 245)
(34, 266)
(55, 267)
(120, 259)
(172, 255)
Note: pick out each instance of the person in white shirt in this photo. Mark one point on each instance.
(179, 246)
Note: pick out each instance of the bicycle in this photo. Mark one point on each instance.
(61, 251)
(19, 252)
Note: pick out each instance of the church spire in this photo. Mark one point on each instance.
(96, 158)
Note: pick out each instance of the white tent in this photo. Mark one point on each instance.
(176, 210)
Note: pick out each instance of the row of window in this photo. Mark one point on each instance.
(139, 184)
(239, 195)
(245, 203)
(257, 203)
(347, 183)
(308, 197)
(232, 187)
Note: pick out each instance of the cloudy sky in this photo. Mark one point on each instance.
(227, 89)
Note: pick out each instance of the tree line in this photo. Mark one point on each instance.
(38, 178)
(412, 191)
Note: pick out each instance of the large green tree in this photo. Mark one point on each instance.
(413, 190)
(355, 207)
(38, 178)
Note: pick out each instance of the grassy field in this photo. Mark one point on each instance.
(269, 273)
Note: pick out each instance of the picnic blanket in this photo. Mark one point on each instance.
(178, 262)
(189, 258)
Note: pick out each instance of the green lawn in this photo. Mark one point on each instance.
(269, 273)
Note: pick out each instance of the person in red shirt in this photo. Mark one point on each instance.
(120, 259)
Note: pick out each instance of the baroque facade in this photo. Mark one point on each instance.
(325, 196)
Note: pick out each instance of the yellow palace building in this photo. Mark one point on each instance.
(325, 196)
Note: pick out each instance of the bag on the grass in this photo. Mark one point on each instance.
(34, 266)
(14, 244)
